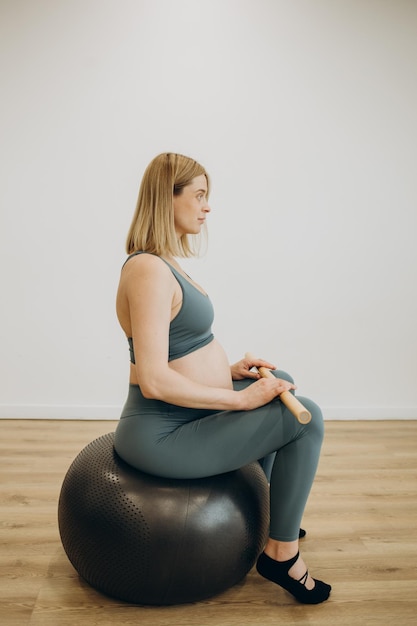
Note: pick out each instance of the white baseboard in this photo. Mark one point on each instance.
(108, 412)
(54, 412)
(369, 413)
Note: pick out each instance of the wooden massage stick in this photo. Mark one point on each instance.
(290, 401)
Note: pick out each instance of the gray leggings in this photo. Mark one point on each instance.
(176, 442)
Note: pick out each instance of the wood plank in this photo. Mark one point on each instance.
(361, 523)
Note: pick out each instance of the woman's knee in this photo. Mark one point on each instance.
(283, 375)
(316, 426)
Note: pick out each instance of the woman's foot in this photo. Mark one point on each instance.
(305, 589)
(302, 533)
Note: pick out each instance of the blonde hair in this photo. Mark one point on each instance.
(152, 228)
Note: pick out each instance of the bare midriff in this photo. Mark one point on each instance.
(208, 366)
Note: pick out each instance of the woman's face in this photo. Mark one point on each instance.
(191, 207)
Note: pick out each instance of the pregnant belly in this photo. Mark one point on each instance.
(208, 365)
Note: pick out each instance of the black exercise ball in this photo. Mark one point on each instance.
(159, 541)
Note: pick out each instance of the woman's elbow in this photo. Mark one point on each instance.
(149, 391)
(146, 393)
(152, 388)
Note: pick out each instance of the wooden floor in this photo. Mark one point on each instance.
(361, 521)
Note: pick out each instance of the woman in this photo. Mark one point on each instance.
(189, 413)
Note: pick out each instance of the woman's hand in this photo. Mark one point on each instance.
(242, 369)
(263, 391)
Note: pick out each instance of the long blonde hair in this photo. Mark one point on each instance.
(152, 228)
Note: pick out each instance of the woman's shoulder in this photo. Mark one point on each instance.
(144, 260)
(143, 266)
(145, 285)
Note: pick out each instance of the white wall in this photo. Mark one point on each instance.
(304, 113)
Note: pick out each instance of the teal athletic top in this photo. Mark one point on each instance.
(191, 327)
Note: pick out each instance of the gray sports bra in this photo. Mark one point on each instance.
(191, 327)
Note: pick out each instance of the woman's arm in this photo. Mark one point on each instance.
(152, 295)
